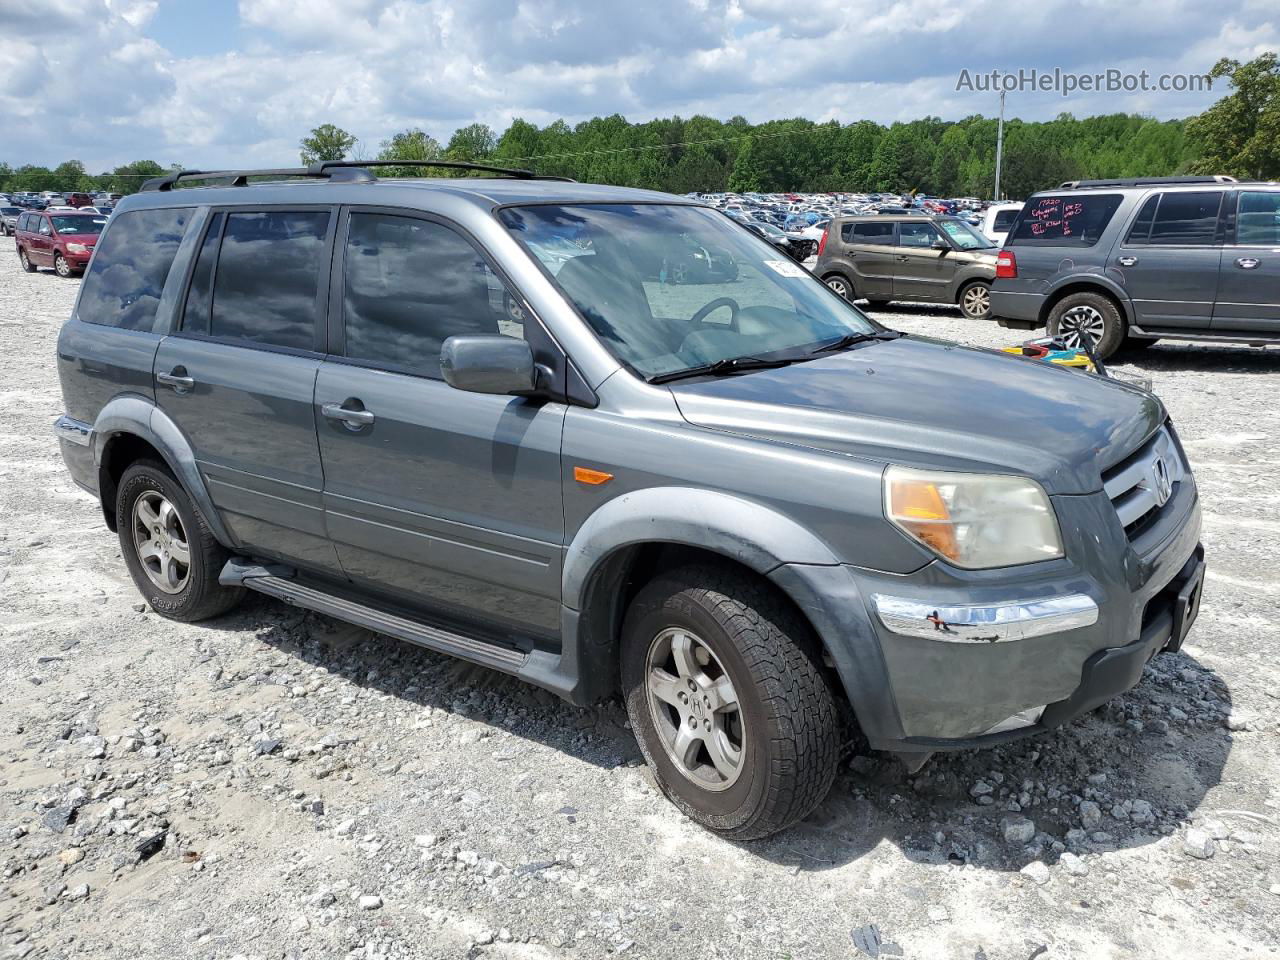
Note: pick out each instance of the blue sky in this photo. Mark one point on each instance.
(215, 83)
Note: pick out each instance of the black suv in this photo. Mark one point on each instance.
(1128, 262)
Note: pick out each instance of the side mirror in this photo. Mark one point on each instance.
(496, 364)
(941, 245)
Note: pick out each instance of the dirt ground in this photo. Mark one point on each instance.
(275, 784)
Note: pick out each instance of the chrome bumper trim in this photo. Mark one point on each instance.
(73, 431)
(984, 623)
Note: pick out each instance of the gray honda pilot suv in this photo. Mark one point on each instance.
(475, 415)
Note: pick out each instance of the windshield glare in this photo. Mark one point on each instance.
(80, 223)
(669, 287)
(964, 236)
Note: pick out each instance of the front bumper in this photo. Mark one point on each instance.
(949, 659)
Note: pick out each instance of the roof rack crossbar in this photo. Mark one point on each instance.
(516, 173)
(1145, 181)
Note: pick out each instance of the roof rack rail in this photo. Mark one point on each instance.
(344, 171)
(240, 178)
(446, 164)
(1144, 182)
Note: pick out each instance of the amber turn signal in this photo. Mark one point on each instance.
(591, 477)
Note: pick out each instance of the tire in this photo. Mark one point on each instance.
(1094, 315)
(975, 300)
(840, 286)
(878, 304)
(61, 266)
(783, 727)
(27, 265)
(195, 595)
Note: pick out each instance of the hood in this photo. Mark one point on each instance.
(928, 403)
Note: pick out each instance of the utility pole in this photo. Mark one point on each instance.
(999, 147)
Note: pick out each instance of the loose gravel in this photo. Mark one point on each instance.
(275, 784)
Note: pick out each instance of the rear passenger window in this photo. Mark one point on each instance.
(267, 283)
(195, 314)
(130, 267)
(1185, 219)
(1258, 223)
(410, 285)
(1067, 220)
(881, 233)
(1141, 228)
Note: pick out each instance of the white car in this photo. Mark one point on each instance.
(997, 221)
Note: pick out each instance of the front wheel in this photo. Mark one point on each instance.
(171, 554)
(728, 702)
(1091, 318)
(975, 301)
(61, 266)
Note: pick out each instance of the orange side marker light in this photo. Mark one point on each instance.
(591, 477)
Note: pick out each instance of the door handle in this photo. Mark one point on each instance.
(354, 419)
(178, 379)
(1128, 261)
(1247, 263)
(904, 259)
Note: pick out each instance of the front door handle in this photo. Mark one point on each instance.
(352, 417)
(1128, 261)
(1247, 263)
(178, 379)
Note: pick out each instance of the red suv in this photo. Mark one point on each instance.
(63, 241)
(79, 200)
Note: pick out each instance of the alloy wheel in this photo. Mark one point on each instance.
(1080, 324)
(976, 301)
(61, 266)
(161, 542)
(695, 709)
(839, 287)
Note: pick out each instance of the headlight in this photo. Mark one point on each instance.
(973, 520)
(77, 248)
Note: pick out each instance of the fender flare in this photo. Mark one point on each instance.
(743, 530)
(139, 417)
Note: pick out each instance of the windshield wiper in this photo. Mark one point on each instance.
(853, 339)
(721, 368)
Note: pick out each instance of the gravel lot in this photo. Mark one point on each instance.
(279, 785)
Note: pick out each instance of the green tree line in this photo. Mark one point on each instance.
(1238, 135)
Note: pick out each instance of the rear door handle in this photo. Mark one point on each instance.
(177, 379)
(351, 417)
(1247, 263)
(1128, 261)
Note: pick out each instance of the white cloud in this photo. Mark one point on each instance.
(83, 78)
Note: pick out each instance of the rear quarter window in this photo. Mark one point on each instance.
(1065, 220)
(130, 267)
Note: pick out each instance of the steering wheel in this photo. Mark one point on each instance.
(716, 304)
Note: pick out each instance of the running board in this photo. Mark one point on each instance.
(433, 638)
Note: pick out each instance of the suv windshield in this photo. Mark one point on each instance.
(668, 287)
(79, 223)
(963, 235)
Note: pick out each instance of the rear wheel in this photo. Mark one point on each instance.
(1088, 317)
(975, 301)
(172, 555)
(727, 701)
(27, 265)
(839, 286)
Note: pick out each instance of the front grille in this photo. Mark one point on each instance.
(1141, 484)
